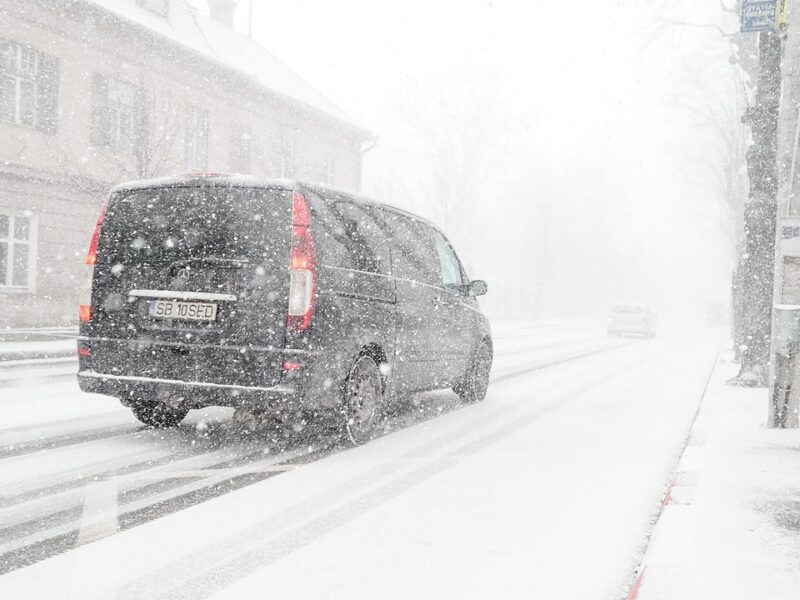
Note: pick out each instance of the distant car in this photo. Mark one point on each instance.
(276, 296)
(632, 319)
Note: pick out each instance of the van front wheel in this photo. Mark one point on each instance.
(475, 383)
(158, 414)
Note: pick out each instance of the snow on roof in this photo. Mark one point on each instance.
(186, 27)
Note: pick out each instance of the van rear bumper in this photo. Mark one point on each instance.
(200, 375)
(130, 389)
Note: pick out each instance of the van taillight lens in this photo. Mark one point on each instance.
(302, 267)
(85, 313)
(91, 258)
(85, 310)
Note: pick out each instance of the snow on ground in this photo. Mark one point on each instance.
(40, 399)
(732, 528)
(45, 401)
(58, 346)
(547, 490)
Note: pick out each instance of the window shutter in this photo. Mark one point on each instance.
(99, 125)
(47, 94)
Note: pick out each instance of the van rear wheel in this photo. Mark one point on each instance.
(158, 414)
(363, 401)
(475, 383)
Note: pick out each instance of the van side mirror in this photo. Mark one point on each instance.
(477, 287)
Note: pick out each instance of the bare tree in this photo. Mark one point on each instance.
(146, 149)
(544, 252)
(460, 126)
(724, 157)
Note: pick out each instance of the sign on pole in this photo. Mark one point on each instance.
(758, 15)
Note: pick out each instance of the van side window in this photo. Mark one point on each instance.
(329, 234)
(413, 254)
(448, 261)
(363, 237)
(348, 236)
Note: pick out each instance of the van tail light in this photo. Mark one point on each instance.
(85, 313)
(85, 291)
(91, 258)
(85, 296)
(302, 267)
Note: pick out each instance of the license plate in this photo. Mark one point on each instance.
(186, 311)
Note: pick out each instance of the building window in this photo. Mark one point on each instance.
(159, 7)
(16, 251)
(119, 116)
(28, 86)
(196, 139)
(241, 141)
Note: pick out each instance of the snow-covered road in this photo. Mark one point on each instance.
(547, 489)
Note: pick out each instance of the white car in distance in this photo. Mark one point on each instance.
(636, 319)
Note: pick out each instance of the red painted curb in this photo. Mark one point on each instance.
(668, 497)
(634, 593)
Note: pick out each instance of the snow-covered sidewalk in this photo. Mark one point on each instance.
(36, 353)
(730, 526)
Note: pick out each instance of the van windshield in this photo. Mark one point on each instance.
(164, 225)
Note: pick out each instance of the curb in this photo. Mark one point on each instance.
(680, 479)
(634, 593)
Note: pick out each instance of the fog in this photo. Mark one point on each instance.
(229, 368)
(594, 140)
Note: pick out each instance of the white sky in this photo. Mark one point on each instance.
(356, 50)
(582, 77)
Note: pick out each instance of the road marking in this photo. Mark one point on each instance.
(100, 511)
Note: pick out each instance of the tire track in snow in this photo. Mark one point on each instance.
(159, 499)
(297, 526)
(70, 439)
(38, 437)
(162, 494)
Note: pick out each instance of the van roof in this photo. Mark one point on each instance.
(204, 179)
(238, 180)
(324, 187)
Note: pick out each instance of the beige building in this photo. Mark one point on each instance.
(94, 92)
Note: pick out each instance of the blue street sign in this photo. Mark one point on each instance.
(758, 15)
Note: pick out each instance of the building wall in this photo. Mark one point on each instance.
(59, 178)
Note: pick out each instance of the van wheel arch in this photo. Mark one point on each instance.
(472, 386)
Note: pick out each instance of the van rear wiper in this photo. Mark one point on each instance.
(216, 261)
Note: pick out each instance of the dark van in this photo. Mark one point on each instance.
(275, 296)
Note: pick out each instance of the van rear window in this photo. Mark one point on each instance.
(163, 225)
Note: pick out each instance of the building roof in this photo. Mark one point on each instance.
(229, 48)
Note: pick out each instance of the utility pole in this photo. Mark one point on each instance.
(754, 278)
